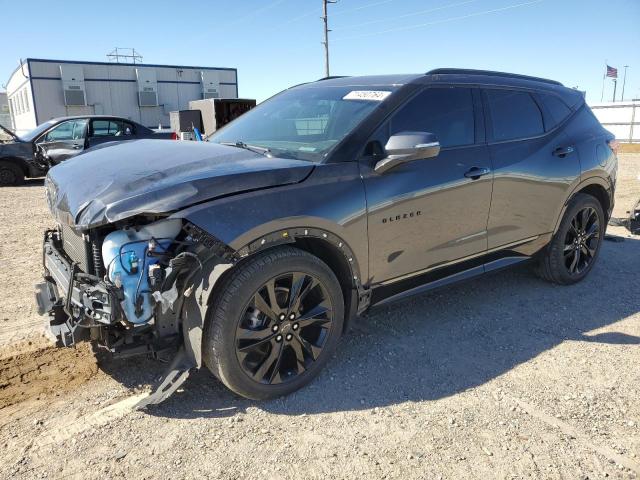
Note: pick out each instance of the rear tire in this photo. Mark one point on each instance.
(574, 248)
(261, 339)
(10, 174)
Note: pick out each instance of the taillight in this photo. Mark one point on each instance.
(174, 136)
(614, 145)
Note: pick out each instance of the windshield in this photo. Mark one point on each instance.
(303, 123)
(33, 134)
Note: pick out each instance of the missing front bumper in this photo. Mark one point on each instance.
(72, 300)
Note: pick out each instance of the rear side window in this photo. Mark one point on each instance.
(111, 128)
(556, 108)
(447, 112)
(514, 115)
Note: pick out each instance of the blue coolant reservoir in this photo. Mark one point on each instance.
(125, 254)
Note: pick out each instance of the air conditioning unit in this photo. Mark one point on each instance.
(147, 87)
(73, 85)
(210, 84)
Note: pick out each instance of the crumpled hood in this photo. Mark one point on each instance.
(109, 184)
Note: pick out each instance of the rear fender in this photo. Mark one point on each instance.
(594, 180)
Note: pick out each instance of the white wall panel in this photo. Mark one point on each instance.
(111, 89)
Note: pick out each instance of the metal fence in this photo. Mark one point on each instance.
(620, 118)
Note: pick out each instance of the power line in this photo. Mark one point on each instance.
(412, 14)
(254, 13)
(339, 12)
(437, 22)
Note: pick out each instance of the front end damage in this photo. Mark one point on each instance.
(141, 288)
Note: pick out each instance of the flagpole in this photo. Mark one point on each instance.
(615, 84)
(624, 81)
(604, 77)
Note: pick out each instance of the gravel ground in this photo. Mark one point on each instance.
(502, 377)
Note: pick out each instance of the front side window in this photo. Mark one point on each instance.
(79, 128)
(70, 130)
(514, 115)
(446, 112)
(304, 123)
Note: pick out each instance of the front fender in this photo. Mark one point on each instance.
(329, 205)
(330, 200)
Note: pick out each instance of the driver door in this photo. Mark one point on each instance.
(427, 213)
(64, 141)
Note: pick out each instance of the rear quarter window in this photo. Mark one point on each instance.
(513, 115)
(558, 110)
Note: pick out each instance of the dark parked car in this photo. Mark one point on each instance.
(31, 155)
(252, 253)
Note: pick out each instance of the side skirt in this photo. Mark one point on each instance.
(464, 269)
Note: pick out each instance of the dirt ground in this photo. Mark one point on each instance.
(502, 377)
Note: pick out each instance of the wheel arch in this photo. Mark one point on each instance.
(328, 247)
(597, 187)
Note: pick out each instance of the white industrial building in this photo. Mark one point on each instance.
(5, 118)
(39, 90)
(620, 118)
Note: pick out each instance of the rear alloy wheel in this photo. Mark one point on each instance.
(10, 174)
(574, 248)
(274, 323)
(581, 241)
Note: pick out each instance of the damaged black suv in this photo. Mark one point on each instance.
(251, 253)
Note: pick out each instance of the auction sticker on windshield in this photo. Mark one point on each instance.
(372, 95)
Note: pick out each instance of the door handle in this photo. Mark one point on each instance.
(475, 173)
(563, 151)
(77, 147)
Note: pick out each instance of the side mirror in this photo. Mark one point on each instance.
(408, 146)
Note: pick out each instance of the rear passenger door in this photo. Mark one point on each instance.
(109, 130)
(531, 175)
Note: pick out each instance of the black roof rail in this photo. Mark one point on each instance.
(488, 73)
(331, 77)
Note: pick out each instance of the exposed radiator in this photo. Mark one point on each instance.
(77, 249)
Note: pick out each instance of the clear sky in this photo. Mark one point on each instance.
(276, 43)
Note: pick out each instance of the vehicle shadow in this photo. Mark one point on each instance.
(438, 344)
(32, 182)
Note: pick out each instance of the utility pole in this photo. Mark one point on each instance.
(325, 20)
(624, 81)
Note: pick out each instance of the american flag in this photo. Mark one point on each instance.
(612, 72)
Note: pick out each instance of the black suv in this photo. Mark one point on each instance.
(251, 253)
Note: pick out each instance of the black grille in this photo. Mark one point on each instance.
(77, 248)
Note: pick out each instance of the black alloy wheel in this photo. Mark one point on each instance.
(581, 241)
(274, 323)
(574, 248)
(284, 328)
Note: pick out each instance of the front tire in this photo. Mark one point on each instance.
(10, 174)
(574, 248)
(274, 323)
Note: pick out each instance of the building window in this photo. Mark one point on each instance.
(26, 100)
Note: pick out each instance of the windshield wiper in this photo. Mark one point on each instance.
(252, 148)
